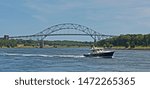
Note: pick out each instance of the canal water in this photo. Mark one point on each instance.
(71, 60)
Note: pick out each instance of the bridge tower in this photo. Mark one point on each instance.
(41, 43)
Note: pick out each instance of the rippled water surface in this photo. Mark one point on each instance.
(72, 60)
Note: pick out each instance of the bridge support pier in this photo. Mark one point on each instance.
(94, 44)
(41, 43)
(95, 41)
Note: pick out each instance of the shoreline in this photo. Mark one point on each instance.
(136, 48)
(113, 48)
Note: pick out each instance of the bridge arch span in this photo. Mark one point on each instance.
(95, 35)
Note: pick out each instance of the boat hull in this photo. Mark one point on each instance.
(104, 54)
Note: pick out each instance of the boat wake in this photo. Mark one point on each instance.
(41, 55)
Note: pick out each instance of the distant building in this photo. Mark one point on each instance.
(6, 37)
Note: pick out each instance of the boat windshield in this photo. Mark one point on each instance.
(97, 50)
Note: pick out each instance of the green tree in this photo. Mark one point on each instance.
(127, 45)
(132, 45)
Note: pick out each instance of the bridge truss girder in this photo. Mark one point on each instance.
(47, 32)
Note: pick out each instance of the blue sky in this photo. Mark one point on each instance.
(113, 17)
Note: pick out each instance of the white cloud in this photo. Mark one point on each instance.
(39, 17)
(143, 11)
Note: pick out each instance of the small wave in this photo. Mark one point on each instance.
(41, 55)
(71, 56)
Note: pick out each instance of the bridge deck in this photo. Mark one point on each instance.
(54, 35)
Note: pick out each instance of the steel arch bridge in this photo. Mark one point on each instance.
(89, 32)
(51, 30)
(55, 28)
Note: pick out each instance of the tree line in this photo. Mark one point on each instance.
(11, 43)
(128, 41)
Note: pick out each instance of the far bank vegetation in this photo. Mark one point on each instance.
(126, 41)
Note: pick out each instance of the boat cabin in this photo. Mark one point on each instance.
(97, 50)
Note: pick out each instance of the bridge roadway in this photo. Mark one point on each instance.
(15, 37)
